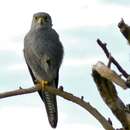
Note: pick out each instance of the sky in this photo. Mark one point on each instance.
(79, 24)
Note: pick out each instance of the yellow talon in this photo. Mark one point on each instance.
(42, 83)
(45, 82)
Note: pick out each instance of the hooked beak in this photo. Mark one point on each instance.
(41, 20)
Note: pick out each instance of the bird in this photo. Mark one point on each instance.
(43, 53)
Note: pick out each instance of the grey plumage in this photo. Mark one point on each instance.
(43, 53)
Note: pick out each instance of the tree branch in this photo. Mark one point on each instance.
(109, 94)
(19, 91)
(125, 30)
(83, 104)
(65, 95)
(103, 46)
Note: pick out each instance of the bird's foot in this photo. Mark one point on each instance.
(42, 84)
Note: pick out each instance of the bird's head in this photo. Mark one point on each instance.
(41, 20)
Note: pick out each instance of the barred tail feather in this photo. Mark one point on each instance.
(51, 106)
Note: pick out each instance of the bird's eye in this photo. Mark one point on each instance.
(36, 18)
(45, 18)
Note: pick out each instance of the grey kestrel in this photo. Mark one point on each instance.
(43, 54)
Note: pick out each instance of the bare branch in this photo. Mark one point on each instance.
(109, 62)
(109, 120)
(109, 95)
(83, 104)
(60, 92)
(103, 46)
(19, 91)
(124, 29)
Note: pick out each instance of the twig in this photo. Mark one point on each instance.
(109, 120)
(103, 46)
(19, 91)
(64, 95)
(109, 61)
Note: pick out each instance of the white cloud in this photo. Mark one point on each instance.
(16, 21)
(102, 15)
(33, 118)
(17, 67)
(71, 62)
(92, 15)
(80, 62)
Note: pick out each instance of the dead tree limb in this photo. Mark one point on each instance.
(109, 95)
(19, 91)
(103, 46)
(109, 74)
(124, 29)
(60, 92)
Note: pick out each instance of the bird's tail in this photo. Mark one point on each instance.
(51, 107)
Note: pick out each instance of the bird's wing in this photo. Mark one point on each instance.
(31, 73)
(56, 80)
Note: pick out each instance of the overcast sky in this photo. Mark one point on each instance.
(79, 23)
